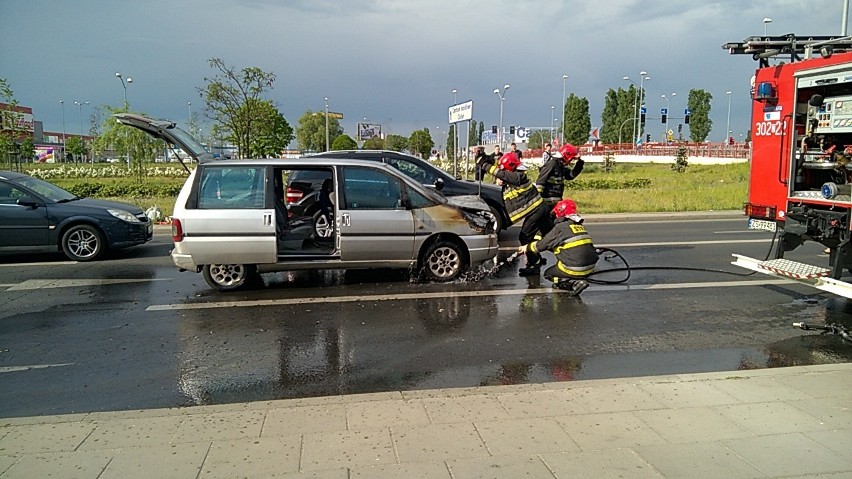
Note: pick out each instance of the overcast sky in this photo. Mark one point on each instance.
(394, 62)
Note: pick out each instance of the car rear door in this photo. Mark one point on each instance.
(229, 223)
(374, 224)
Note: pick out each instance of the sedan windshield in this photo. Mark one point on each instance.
(47, 190)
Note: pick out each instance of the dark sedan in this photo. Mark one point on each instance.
(38, 216)
(430, 175)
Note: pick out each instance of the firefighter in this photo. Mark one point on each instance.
(554, 171)
(522, 202)
(572, 245)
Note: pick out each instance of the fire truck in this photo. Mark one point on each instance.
(801, 157)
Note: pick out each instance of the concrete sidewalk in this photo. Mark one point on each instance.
(783, 422)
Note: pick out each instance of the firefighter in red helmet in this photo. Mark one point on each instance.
(572, 245)
(522, 202)
(554, 171)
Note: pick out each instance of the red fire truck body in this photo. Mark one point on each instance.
(801, 132)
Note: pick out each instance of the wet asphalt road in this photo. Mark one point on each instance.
(132, 332)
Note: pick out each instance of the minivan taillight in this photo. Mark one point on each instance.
(177, 230)
(293, 195)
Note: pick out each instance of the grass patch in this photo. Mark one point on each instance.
(630, 187)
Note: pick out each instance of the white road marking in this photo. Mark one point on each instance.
(74, 283)
(454, 294)
(682, 243)
(12, 369)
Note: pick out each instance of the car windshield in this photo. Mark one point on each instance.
(49, 191)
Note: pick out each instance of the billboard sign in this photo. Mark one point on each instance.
(367, 131)
(461, 112)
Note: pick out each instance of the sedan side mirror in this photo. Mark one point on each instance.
(29, 202)
(439, 184)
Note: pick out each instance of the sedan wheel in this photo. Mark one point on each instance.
(83, 243)
(229, 277)
(323, 227)
(444, 261)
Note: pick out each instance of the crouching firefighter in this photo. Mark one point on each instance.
(522, 203)
(569, 241)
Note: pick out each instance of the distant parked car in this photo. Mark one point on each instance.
(39, 216)
(430, 176)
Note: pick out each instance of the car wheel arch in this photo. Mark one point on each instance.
(438, 239)
(69, 223)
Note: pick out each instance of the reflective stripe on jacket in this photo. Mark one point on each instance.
(519, 194)
(572, 245)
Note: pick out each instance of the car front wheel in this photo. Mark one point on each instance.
(444, 261)
(83, 243)
(229, 277)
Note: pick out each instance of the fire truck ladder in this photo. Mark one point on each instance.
(813, 276)
(764, 48)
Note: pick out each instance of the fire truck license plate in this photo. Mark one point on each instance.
(755, 224)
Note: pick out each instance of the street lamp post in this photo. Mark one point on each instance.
(326, 123)
(642, 79)
(728, 125)
(633, 115)
(666, 124)
(551, 123)
(80, 107)
(62, 102)
(456, 148)
(123, 84)
(502, 96)
(562, 136)
(766, 21)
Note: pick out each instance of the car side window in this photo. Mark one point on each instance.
(412, 170)
(232, 188)
(9, 194)
(369, 189)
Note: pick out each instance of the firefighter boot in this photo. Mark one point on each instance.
(577, 286)
(533, 268)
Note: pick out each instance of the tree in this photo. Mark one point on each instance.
(126, 141)
(270, 133)
(700, 123)
(537, 139)
(374, 143)
(76, 147)
(618, 116)
(451, 142)
(472, 134)
(11, 132)
(420, 142)
(344, 142)
(577, 121)
(232, 100)
(396, 143)
(310, 133)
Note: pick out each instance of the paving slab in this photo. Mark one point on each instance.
(525, 436)
(531, 467)
(261, 457)
(348, 449)
(788, 455)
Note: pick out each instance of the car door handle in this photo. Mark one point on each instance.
(267, 219)
(345, 220)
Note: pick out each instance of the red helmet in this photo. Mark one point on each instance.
(565, 208)
(568, 152)
(510, 162)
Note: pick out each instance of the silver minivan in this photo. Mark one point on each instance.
(231, 221)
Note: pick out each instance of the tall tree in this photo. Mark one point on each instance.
(344, 142)
(396, 143)
(472, 133)
(374, 143)
(420, 142)
(270, 133)
(232, 100)
(310, 132)
(451, 142)
(577, 121)
(127, 142)
(700, 123)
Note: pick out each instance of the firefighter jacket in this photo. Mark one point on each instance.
(552, 176)
(572, 245)
(519, 194)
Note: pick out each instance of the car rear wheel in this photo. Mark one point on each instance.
(230, 277)
(323, 227)
(444, 261)
(83, 243)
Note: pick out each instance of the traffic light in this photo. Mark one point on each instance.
(642, 117)
(680, 128)
(664, 118)
(512, 129)
(647, 138)
(686, 119)
(494, 129)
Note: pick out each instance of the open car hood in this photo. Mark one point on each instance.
(167, 131)
(468, 202)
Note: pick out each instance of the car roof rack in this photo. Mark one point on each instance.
(766, 47)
